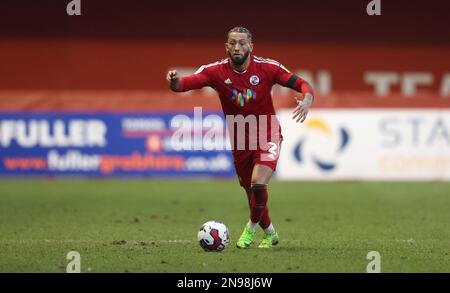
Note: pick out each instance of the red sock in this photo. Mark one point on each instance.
(265, 220)
(258, 202)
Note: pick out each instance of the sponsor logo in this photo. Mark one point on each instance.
(52, 133)
(111, 145)
(244, 97)
(318, 129)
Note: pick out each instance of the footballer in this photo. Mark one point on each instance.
(244, 82)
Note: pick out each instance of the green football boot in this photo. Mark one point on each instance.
(246, 238)
(269, 240)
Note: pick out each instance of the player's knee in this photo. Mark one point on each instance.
(258, 184)
(255, 181)
(258, 180)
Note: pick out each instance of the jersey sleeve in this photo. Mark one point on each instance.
(199, 79)
(288, 79)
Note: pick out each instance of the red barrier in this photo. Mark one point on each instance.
(79, 75)
(136, 101)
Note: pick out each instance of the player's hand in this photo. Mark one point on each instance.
(172, 76)
(174, 79)
(302, 108)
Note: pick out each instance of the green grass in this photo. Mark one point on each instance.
(323, 227)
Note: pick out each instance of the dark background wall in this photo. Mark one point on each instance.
(402, 21)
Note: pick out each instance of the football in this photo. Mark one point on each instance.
(213, 236)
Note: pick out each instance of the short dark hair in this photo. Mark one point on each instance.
(241, 29)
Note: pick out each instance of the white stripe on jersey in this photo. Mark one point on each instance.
(262, 60)
(270, 61)
(223, 61)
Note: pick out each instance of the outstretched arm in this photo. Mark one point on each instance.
(295, 82)
(190, 82)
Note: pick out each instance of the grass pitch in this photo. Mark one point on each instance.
(151, 226)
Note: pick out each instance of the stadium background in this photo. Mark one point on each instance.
(114, 58)
(104, 73)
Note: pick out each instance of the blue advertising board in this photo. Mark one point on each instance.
(114, 144)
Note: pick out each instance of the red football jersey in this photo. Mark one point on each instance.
(246, 93)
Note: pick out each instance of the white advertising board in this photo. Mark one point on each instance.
(375, 144)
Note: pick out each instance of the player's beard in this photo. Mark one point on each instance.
(239, 60)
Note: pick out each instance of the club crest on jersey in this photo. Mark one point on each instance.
(241, 98)
(254, 79)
